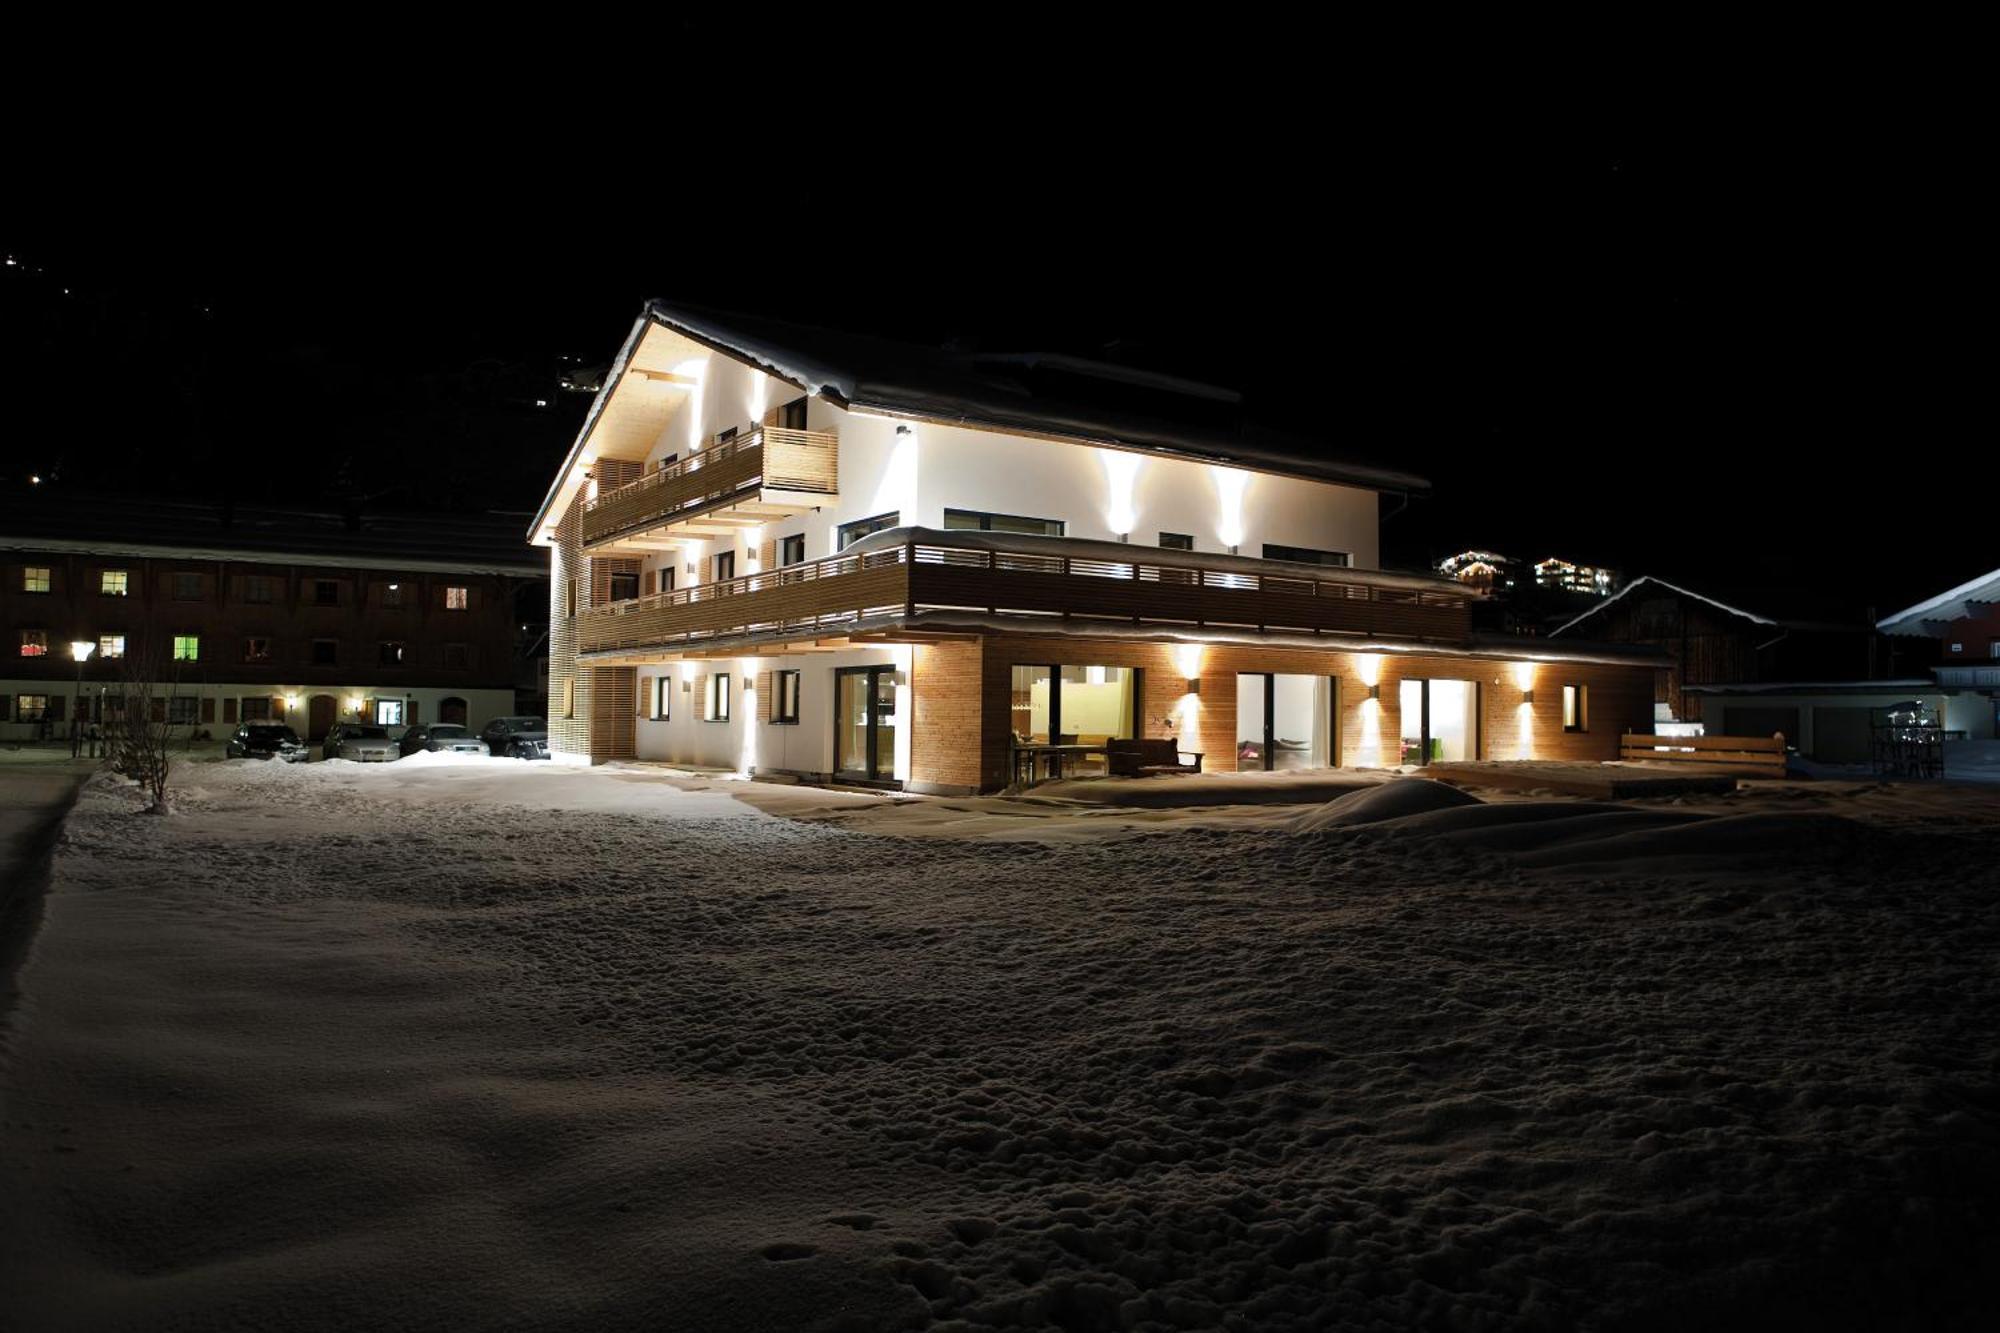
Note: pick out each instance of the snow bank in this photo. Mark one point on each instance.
(1393, 800)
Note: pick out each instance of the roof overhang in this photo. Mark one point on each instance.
(1955, 604)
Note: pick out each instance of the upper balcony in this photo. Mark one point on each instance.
(740, 483)
(918, 580)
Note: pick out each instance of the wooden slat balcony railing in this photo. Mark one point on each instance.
(770, 458)
(886, 583)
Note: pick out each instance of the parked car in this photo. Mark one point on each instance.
(265, 740)
(363, 742)
(517, 737)
(449, 737)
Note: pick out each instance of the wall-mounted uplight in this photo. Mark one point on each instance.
(1375, 692)
(1194, 684)
(291, 702)
(1527, 696)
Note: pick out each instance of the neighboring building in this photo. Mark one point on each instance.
(1592, 580)
(1819, 679)
(1525, 599)
(1964, 623)
(1487, 571)
(255, 615)
(777, 548)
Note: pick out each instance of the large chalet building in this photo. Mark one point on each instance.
(782, 549)
(1964, 625)
(253, 615)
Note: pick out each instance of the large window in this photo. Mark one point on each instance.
(851, 533)
(187, 647)
(459, 599)
(34, 643)
(35, 578)
(111, 645)
(1080, 707)
(1576, 708)
(624, 587)
(785, 706)
(183, 710)
(970, 520)
(1305, 555)
(792, 549)
(31, 707)
(113, 582)
(255, 710)
(715, 704)
(388, 712)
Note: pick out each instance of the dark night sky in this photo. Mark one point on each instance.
(1729, 344)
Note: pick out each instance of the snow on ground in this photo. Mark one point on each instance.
(467, 1043)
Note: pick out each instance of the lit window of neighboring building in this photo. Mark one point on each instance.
(35, 578)
(388, 712)
(111, 645)
(112, 582)
(187, 647)
(30, 707)
(457, 599)
(34, 643)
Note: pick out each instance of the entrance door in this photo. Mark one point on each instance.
(1440, 720)
(864, 723)
(319, 716)
(1282, 721)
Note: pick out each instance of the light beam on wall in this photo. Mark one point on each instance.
(1121, 476)
(696, 369)
(897, 490)
(1230, 484)
(746, 759)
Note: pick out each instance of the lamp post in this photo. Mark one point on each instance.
(81, 650)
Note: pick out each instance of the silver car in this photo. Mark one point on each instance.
(450, 737)
(360, 741)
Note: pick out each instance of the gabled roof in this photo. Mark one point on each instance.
(1045, 394)
(1955, 604)
(1642, 581)
(1818, 619)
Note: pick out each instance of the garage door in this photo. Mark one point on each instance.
(1741, 721)
(1840, 735)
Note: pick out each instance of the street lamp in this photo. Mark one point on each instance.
(81, 650)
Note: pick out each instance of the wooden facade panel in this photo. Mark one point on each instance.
(769, 458)
(950, 740)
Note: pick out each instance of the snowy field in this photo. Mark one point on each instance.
(471, 1044)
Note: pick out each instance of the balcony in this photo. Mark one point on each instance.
(1969, 677)
(740, 483)
(909, 581)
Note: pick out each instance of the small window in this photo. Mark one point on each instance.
(112, 582)
(1305, 555)
(792, 416)
(187, 647)
(792, 549)
(457, 657)
(392, 596)
(785, 708)
(1576, 708)
(458, 599)
(325, 652)
(35, 578)
(624, 587)
(661, 705)
(111, 645)
(31, 707)
(326, 592)
(715, 708)
(183, 710)
(1176, 541)
(666, 578)
(34, 643)
(394, 652)
(724, 569)
(257, 589)
(187, 587)
(388, 712)
(968, 520)
(851, 533)
(257, 648)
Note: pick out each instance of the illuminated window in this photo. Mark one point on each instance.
(457, 599)
(35, 578)
(257, 648)
(1576, 708)
(785, 707)
(112, 582)
(715, 704)
(31, 707)
(388, 712)
(111, 645)
(187, 587)
(187, 647)
(393, 652)
(34, 643)
(257, 588)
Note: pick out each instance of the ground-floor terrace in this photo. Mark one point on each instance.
(970, 712)
(48, 709)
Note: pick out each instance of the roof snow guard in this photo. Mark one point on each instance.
(1047, 395)
(1923, 619)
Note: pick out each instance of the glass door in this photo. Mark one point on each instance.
(1440, 720)
(864, 723)
(1282, 721)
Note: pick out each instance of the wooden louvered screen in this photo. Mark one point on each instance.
(763, 696)
(767, 554)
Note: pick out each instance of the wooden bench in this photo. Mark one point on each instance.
(1757, 756)
(1147, 757)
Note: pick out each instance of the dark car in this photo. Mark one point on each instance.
(449, 737)
(363, 742)
(517, 737)
(265, 740)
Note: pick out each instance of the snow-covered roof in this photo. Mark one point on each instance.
(1902, 686)
(1954, 604)
(1644, 579)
